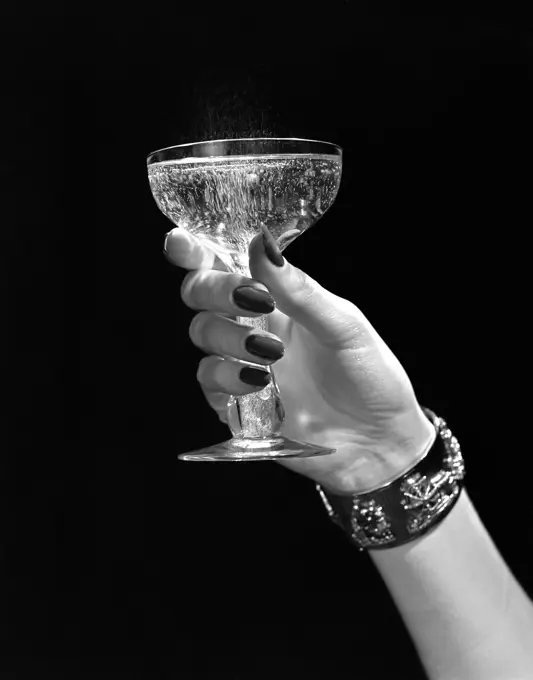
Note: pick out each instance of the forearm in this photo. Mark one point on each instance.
(467, 615)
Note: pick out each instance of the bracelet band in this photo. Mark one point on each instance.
(408, 507)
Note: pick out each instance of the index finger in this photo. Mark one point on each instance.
(185, 250)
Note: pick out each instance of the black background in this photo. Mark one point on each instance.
(120, 561)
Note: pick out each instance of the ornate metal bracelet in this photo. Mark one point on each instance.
(408, 507)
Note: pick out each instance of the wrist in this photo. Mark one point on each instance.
(409, 506)
(417, 438)
(384, 464)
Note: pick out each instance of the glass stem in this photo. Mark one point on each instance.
(258, 415)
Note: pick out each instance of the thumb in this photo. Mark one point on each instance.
(325, 315)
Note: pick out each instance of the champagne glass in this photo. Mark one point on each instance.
(223, 191)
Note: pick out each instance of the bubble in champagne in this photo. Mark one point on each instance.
(225, 200)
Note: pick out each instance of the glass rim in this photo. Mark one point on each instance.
(337, 148)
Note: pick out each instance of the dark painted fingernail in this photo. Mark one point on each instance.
(253, 300)
(264, 347)
(254, 376)
(271, 248)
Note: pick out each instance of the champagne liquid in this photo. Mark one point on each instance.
(225, 200)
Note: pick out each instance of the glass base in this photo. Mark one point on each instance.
(256, 449)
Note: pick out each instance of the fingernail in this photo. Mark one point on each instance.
(253, 300)
(254, 376)
(271, 248)
(264, 347)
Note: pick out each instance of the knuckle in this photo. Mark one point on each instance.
(199, 289)
(304, 286)
(186, 288)
(200, 371)
(206, 369)
(196, 327)
(219, 402)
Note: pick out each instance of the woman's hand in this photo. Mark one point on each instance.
(341, 386)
